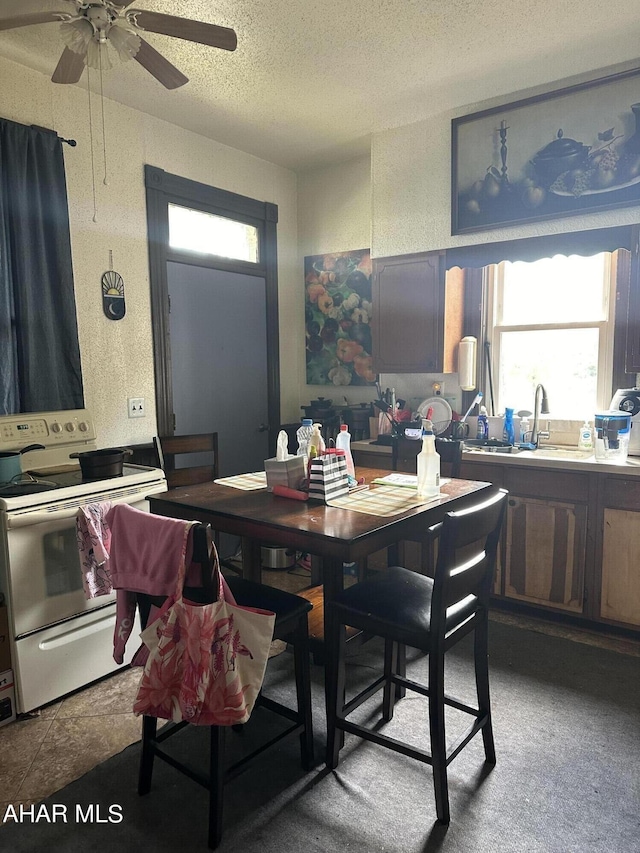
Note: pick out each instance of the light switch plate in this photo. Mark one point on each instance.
(136, 407)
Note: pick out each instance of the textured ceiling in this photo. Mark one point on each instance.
(310, 81)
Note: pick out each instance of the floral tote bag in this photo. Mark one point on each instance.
(206, 662)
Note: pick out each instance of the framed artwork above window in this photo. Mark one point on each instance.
(571, 151)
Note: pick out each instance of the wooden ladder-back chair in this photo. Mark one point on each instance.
(168, 447)
(432, 615)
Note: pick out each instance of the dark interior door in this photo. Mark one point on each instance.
(218, 336)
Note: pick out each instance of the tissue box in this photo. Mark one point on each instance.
(289, 472)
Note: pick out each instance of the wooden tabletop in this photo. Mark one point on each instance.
(308, 526)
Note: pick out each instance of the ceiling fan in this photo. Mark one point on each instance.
(92, 26)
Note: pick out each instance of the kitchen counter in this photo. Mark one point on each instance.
(554, 457)
(571, 534)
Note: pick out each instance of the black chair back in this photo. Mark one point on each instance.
(466, 561)
(404, 450)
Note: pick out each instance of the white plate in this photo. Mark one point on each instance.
(609, 189)
(441, 415)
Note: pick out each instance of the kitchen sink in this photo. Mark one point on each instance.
(543, 452)
(557, 453)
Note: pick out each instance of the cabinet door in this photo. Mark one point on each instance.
(632, 361)
(620, 586)
(546, 552)
(408, 318)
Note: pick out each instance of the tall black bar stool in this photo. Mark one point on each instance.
(432, 615)
(290, 625)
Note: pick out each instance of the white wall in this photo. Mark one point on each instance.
(411, 188)
(117, 357)
(334, 215)
(395, 202)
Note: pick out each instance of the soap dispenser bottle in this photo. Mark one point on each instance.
(585, 439)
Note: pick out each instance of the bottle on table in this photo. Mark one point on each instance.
(428, 464)
(343, 442)
(304, 433)
(316, 440)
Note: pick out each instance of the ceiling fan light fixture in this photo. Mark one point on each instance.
(77, 34)
(125, 41)
(98, 56)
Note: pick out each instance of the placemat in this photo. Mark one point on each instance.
(383, 501)
(246, 482)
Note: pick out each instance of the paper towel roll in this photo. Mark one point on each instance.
(467, 363)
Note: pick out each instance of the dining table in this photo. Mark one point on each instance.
(348, 530)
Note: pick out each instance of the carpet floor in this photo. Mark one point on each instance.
(566, 722)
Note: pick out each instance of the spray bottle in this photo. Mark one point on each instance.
(428, 465)
(482, 430)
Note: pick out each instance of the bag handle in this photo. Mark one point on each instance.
(205, 553)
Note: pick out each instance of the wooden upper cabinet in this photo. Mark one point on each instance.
(632, 361)
(408, 313)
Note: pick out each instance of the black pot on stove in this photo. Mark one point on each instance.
(102, 464)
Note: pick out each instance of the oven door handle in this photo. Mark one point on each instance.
(26, 518)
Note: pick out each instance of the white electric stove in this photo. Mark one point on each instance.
(60, 641)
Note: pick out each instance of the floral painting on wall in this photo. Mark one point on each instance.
(338, 318)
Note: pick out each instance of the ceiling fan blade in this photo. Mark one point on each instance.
(159, 67)
(36, 18)
(122, 3)
(183, 28)
(70, 67)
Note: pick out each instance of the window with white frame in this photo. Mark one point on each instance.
(209, 234)
(550, 321)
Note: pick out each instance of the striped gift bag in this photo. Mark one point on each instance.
(328, 477)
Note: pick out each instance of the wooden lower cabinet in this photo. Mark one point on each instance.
(571, 541)
(546, 538)
(545, 552)
(620, 588)
(620, 576)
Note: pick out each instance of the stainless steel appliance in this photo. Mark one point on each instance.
(60, 641)
(628, 400)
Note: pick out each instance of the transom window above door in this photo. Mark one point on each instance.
(208, 234)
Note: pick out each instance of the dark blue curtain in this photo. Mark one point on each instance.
(39, 353)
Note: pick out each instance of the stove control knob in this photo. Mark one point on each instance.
(83, 426)
(56, 427)
(70, 426)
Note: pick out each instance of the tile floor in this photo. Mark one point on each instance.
(44, 752)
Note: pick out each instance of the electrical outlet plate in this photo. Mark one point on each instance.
(438, 388)
(136, 407)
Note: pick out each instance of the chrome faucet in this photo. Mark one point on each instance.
(538, 409)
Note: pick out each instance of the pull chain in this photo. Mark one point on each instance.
(104, 127)
(93, 164)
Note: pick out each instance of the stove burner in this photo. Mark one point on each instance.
(16, 490)
(25, 484)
